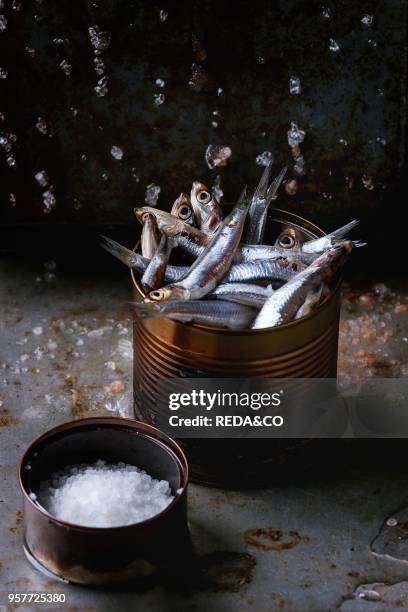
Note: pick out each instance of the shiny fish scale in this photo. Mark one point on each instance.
(269, 270)
(211, 312)
(242, 293)
(283, 304)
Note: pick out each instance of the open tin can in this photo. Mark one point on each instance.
(305, 348)
(108, 555)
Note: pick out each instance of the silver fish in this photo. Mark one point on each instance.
(193, 241)
(243, 293)
(260, 202)
(311, 302)
(290, 241)
(209, 268)
(189, 238)
(283, 304)
(149, 240)
(281, 268)
(154, 275)
(183, 210)
(137, 262)
(206, 208)
(217, 313)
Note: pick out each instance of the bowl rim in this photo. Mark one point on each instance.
(113, 421)
(248, 331)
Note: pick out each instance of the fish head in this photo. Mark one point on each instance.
(289, 239)
(166, 223)
(144, 213)
(206, 207)
(166, 294)
(202, 198)
(182, 209)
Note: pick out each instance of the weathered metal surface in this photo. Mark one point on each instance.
(226, 71)
(313, 543)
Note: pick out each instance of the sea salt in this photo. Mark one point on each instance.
(104, 495)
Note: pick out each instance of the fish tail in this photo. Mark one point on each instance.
(262, 188)
(126, 256)
(345, 229)
(276, 183)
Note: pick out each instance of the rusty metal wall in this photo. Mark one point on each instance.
(348, 56)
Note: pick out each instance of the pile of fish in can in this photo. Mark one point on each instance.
(234, 279)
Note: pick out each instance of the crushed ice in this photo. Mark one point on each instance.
(334, 45)
(116, 152)
(217, 155)
(294, 85)
(295, 135)
(265, 159)
(152, 194)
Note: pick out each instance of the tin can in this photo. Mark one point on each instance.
(305, 348)
(109, 555)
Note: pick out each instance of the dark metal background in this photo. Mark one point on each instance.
(356, 94)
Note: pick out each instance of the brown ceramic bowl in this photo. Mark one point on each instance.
(93, 555)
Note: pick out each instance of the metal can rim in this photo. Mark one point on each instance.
(224, 330)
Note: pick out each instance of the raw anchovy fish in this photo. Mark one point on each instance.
(281, 268)
(154, 275)
(138, 262)
(194, 241)
(189, 238)
(211, 312)
(308, 250)
(149, 240)
(330, 240)
(206, 208)
(183, 210)
(311, 302)
(209, 268)
(283, 304)
(260, 202)
(242, 293)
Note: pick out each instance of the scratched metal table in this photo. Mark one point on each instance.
(321, 542)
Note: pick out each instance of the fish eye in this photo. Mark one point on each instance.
(204, 197)
(184, 212)
(286, 241)
(155, 295)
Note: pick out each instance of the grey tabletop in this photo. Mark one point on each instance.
(321, 542)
